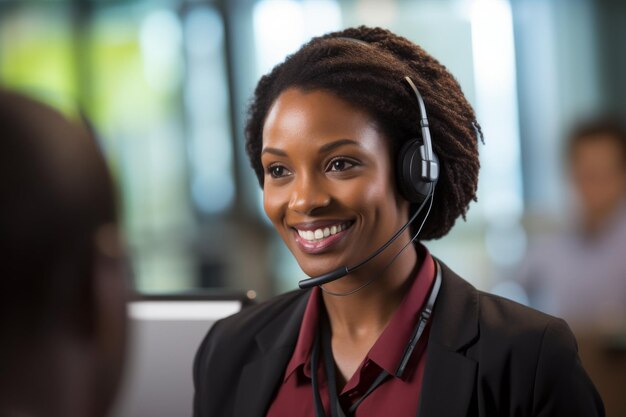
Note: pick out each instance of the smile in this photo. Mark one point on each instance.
(318, 238)
(321, 233)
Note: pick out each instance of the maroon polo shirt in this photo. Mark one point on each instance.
(396, 396)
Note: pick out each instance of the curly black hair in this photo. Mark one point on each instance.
(371, 78)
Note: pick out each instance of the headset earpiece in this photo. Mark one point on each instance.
(418, 165)
(411, 178)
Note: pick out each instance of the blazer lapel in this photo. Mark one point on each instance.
(449, 376)
(261, 376)
(448, 383)
(258, 383)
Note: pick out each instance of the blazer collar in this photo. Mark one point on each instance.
(455, 316)
(454, 326)
(261, 377)
(449, 376)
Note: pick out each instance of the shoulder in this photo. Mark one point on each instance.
(508, 330)
(540, 346)
(236, 340)
(520, 325)
(488, 318)
(538, 354)
(526, 356)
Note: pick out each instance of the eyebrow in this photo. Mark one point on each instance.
(338, 143)
(275, 151)
(323, 149)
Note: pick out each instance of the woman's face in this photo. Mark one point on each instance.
(329, 186)
(598, 174)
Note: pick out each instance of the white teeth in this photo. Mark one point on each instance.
(317, 234)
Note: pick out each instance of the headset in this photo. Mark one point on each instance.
(417, 175)
(418, 165)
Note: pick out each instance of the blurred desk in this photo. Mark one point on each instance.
(604, 357)
(165, 332)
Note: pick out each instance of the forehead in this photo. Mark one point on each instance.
(315, 117)
(598, 146)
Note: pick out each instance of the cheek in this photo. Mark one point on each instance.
(372, 196)
(383, 197)
(273, 205)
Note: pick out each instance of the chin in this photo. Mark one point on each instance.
(314, 265)
(314, 271)
(317, 268)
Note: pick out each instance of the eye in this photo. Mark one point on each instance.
(340, 164)
(278, 171)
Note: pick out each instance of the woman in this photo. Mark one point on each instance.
(338, 136)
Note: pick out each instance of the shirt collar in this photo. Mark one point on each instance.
(391, 344)
(306, 336)
(389, 348)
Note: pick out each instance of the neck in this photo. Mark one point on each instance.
(368, 311)
(594, 221)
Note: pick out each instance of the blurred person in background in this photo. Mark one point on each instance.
(339, 138)
(62, 270)
(580, 274)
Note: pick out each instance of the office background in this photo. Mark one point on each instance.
(165, 84)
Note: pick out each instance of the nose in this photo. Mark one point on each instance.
(308, 195)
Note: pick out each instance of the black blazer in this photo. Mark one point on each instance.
(487, 356)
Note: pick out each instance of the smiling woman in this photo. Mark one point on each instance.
(344, 154)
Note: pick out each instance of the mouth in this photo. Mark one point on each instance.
(317, 237)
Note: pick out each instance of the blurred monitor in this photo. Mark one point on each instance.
(165, 332)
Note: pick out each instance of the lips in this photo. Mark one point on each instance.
(319, 236)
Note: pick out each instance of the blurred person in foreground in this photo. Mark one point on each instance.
(580, 274)
(62, 275)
